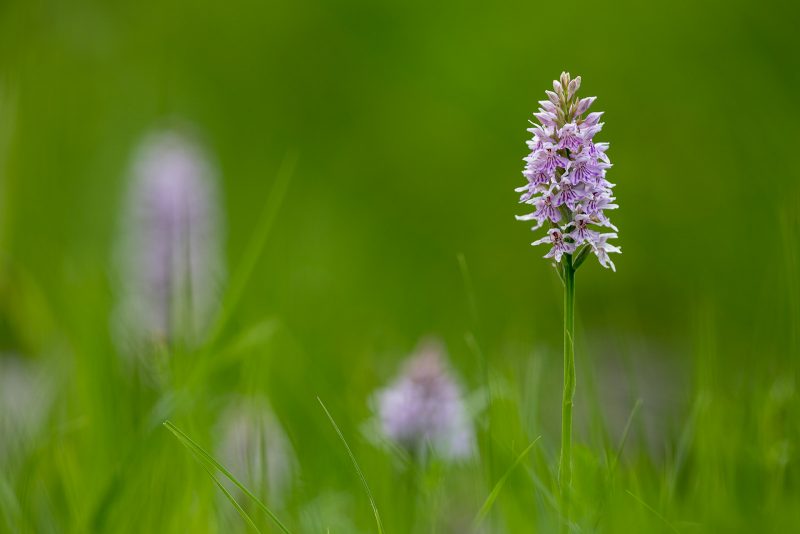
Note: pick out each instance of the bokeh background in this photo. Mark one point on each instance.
(406, 122)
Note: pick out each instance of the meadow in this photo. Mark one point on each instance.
(356, 210)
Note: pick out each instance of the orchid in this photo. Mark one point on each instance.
(568, 190)
(425, 407)
(170, 248)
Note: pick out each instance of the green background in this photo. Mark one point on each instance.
(408, 123)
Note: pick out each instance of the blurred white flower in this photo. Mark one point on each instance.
(254, 447)
(425, 407)
(170, 248)
(26, 395)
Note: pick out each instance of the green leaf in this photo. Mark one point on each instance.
(580, 257)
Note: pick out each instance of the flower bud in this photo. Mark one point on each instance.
(574, 85)
(564, 79)
(583, 105)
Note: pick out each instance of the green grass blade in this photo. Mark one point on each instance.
(487, 505)
(625, 432)
(228, 495)
(210, 461)
(653, 511)
(543, 489)
(612, 465)
(358, 469)
(9, 505)
(255, 246)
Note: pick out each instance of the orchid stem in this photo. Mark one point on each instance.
(565, 461)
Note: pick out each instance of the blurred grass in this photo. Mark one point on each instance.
(409, 120)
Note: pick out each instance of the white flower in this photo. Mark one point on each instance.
(170, 247)
(601, 248)
(560, 247)
(26, 395)
(253, 446)
(424, 407)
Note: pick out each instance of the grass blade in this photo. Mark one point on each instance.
(625, 432)
(653, 511)
(9, 505)
(612, 465)
(487, 505)
(210, 461)
(228, 495)
(253, 251)
(358, 469)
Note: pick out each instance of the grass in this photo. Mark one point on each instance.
(489, 502)
(211, 466)
(355, 465)
(367, 159)
(728, 466)
(100, 463)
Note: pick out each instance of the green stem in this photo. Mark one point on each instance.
(565, 461)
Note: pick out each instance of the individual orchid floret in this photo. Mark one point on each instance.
(547, 159)
(584, 169)
(566, 175)
(537, 181)
(581, 231)
(584, 104)
(560, 246)
(546, 209)
(601, 248)
(424, 408)
(547, 118)
(572, 137)
(568, 194)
